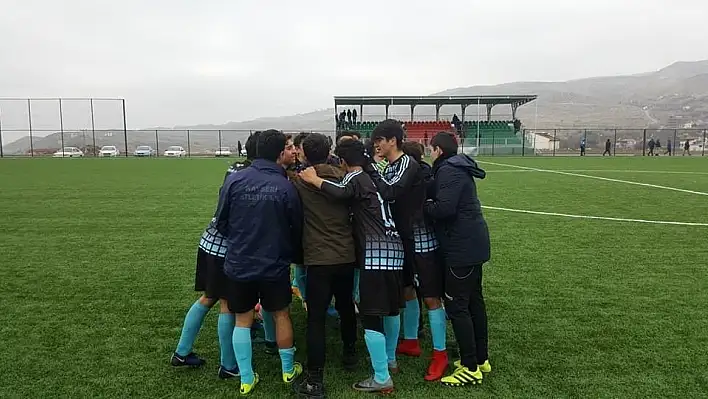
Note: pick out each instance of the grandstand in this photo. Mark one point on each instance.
(477, 136)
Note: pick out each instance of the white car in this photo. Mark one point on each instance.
(69, 152)
(144, 151)
(223, 152)
(244, 152)
(175, 151)
(108, 151)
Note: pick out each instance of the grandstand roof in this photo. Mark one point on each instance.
(433, 100)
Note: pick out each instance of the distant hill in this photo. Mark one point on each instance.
(668, 98)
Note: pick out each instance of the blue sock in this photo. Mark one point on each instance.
(287, 359)
(301, 280)
(244, 352)
(268, 326)
(192, 323)
(376, 344)
(411, 318)
(392, 327)
(438, 328)
(355, 294)
(226, 345)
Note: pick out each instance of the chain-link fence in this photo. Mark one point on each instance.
(491, 142)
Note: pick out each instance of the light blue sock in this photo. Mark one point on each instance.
(287, 359)
(192, 323)
(268, 325)
(355, 294)
(244, 352)
(226, 335)
(392, 327)
(301, 280)
(438, 328)
(411, 317)
(376, 344)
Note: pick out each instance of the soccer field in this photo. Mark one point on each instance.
(97, 272)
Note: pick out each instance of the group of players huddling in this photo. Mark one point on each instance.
(372, 229)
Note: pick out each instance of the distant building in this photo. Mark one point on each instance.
(543, 141)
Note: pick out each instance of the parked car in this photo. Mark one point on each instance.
(223, 152)
(175, 151)
(243, 152)
(108, 151)
(144, 151)
(69, 152)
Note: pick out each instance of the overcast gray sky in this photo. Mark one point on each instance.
(187, 62)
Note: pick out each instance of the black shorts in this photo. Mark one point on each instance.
(430, 275)
(209, 277)
(381, 292)
(408, 275)
(273, 295)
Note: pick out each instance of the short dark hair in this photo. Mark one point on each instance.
(346, 133)
(414, 150)
(389, 129)
(271, 143)
(351, 152)
(446, 141)
(251, 145)
(300, 138)
(316, 148)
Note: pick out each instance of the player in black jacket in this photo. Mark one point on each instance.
(380, 257)
(464, 243)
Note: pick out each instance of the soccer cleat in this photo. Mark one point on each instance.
(437, 366)
(349, 358)
(271, 348)
(370, 385)
(485, 367)
(225, 374)
(463, 376)
(309, 387)
(288, 378)
(409, 347)
(191, 360)
(247, 389)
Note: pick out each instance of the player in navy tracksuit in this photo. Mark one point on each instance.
(261, 215)
(210, 281)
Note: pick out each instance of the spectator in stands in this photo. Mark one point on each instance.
(336, 119)
(608, 146)
(457, 123)
(582, 147)
(669, 148)
(342, 118)
(354, 115)
(686, 148)
(349, 116)
(517, 125)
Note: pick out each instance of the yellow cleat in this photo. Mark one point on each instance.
(288, 378)
(485, 368)
(463, 376)
(247, 389)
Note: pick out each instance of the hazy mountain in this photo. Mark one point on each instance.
(670, 97)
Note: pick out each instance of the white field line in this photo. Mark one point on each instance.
(659, 172)
(496, 208)
(597, 178)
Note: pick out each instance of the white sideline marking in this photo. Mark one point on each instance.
(496, 208)
(598, 178)
(660, 172)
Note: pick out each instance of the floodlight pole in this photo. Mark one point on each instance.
(93, 128)
(61, 126)
(479, 140)
(125, 130)
(29, 117)
(1, 142)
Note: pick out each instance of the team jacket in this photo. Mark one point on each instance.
(457, 213)
(260, 213)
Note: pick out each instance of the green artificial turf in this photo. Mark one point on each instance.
(97, 271)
